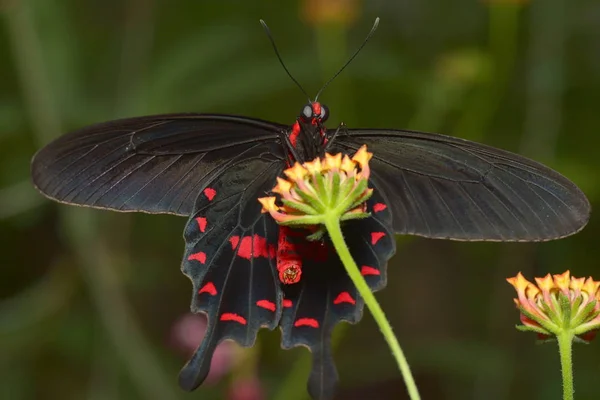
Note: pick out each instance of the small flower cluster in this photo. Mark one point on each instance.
(558, 303)
(336, 185)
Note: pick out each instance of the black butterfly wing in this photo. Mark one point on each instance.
(154, 164)
(230, 256)
(450, 188)
(325, 294)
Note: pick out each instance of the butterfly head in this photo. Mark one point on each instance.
(314, 113)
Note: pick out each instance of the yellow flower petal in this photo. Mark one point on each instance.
(591, 287)
(532, 292)
(546, 283)
(314, 167)
(332, 162)
(362, 156)
(282, 186)
(562, 281)
(268, 204)
(296, 173)
(347, 164)
(519, 283)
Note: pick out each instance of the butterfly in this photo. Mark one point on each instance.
(247, 272)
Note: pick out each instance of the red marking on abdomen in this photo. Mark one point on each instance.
(344, 297)
(313, 323)
(289, 262)
(287, 303)
(200, 256)
(252, 246)
(266, 304)
(233, 317)
(375, 236)
(210, 193)
(379, 207)
(201, 223)
(208, 288)
(366, 270)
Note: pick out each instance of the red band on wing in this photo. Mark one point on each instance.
(344, 297)
(200, 256)
(287, 303)
(201, 223)
(252, 246)
(375, 236)
(311, 322)
(379, 207)
(210, 193)
(266, 304)
(366, 270)
(233, 317)
(208, 288)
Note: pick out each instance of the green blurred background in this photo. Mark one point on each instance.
(93, 305)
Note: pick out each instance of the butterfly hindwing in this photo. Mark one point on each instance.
(230, 259)
(326, 295)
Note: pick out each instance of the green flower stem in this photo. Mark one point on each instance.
(332, 224)
(565, 343)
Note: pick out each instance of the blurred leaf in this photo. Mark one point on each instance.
(12, 118)
(27, 310)
(18, 198)
(189, 59)
(60, 44)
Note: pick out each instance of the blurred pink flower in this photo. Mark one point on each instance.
(187, 334)
(247, 388)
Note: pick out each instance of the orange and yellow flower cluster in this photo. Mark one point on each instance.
(558, 303)
(335, 184)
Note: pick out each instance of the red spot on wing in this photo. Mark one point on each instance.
(208, 288)
(287, 303)
(344, 297)
(379, 207)
(366, 270)
(252, 246)
(295, 133)
(245, 249)
(210, 193)
(200, 256)
(233, 317)
(266, 304)
(201, 223)
(375, 236)
(311, 322)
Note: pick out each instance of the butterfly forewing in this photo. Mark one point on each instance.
(154, 164)
(326, 295)
(230, 258)
(443, 187)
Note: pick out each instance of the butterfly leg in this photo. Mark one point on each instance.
(329, 141)
(289, 146)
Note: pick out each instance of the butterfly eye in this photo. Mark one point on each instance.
(307, 113)
(324, 113)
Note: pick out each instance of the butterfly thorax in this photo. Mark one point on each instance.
(308, 136)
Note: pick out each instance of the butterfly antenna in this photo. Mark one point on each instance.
(268, 31)
(373, 29)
